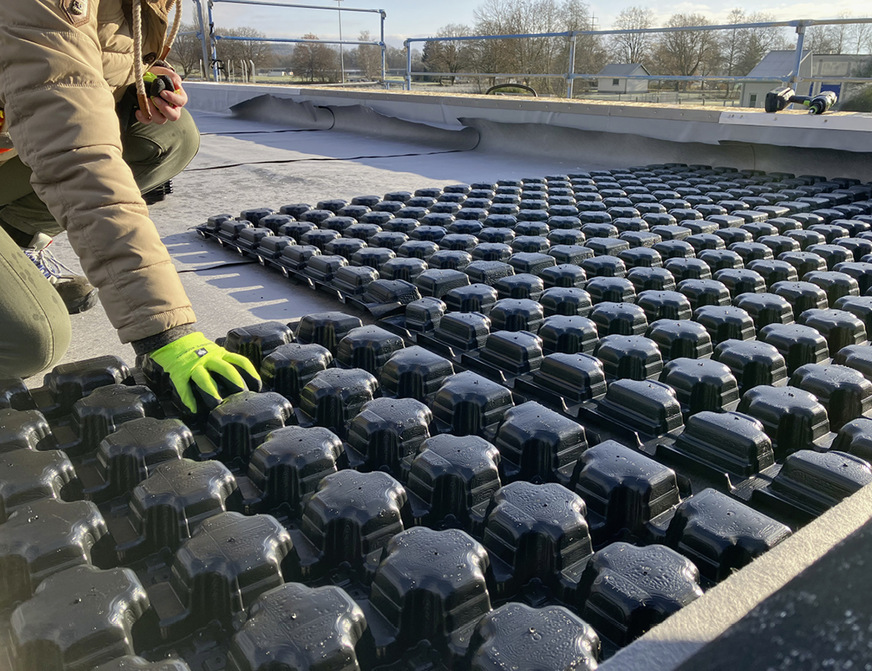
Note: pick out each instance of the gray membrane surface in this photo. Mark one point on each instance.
(310, 165)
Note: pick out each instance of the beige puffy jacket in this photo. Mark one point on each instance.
(63, 64)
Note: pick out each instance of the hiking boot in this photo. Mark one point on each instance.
(158, 193)
(75, 291)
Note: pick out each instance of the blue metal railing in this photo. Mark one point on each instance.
(790, 78)
(209, 38)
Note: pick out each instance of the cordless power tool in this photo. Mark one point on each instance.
(778, 99)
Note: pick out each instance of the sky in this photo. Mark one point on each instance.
(424, 18)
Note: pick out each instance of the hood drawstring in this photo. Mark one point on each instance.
(138, 65)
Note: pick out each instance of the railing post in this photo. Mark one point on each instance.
(570, 75)
(797, 63)
(213, 47)
(408, 46)
(203, 38)
(383, 50)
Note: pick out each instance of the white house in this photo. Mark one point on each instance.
(616, 78)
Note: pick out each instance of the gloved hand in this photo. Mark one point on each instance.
(194, 362)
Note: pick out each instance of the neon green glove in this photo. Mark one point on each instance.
(193, 360)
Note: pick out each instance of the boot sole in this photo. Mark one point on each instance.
(83, 304)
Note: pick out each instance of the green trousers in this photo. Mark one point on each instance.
(35, 329)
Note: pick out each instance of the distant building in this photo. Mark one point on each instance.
(778, 64)
(616, 78)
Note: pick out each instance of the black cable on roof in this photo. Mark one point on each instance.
(325, 158)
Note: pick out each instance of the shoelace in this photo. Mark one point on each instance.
(49, 265)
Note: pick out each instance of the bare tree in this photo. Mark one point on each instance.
(534, 55)
(731, 43)
(685, 52)
(825, 39)
(506, 17)
(314, 61)
(743, 48)
(844, 38)
(241, 49)
(633, 47)
(395, 57)
(859, 38)
(450, 55)
(368, 57)
(187, 51)
(591, 54)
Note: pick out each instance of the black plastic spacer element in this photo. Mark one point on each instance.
(568, 334)
(452, 475)
(467, 404)
(536, 532)
(765, 309)
(725, 322)
(518, 636)
(798, 344)
(813, 482)
(78, 618)
(752, 362)
(476, 297)
(688, 269)
(840, 327)
(623, 489)
(520, 285)
(855, 438)
(368, 348)
(414, 372)
(70, 382)
(25, 430)
(28, 475)
(326, 328)
(632, 357)
(282, 625)
(128, 456)
(701, 384)
(740, 281)
(288, 368)
(43, 538)
(290, 463)
(436, 282)
(651, 279)
(105, 409)
(567, 301)
(227, 563)
(726, 442)
(843, 391)
(794, 419)
(242, 421)
(517, 314)
(386, 431)
(430, 586)
(664, 305)
(258, 341)
(619, 319)
(704, 292)
(335, 395)
(656, 580)
(167, 507)
(352, 517)
(538, 444)
(611, 290)
(720, 534)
